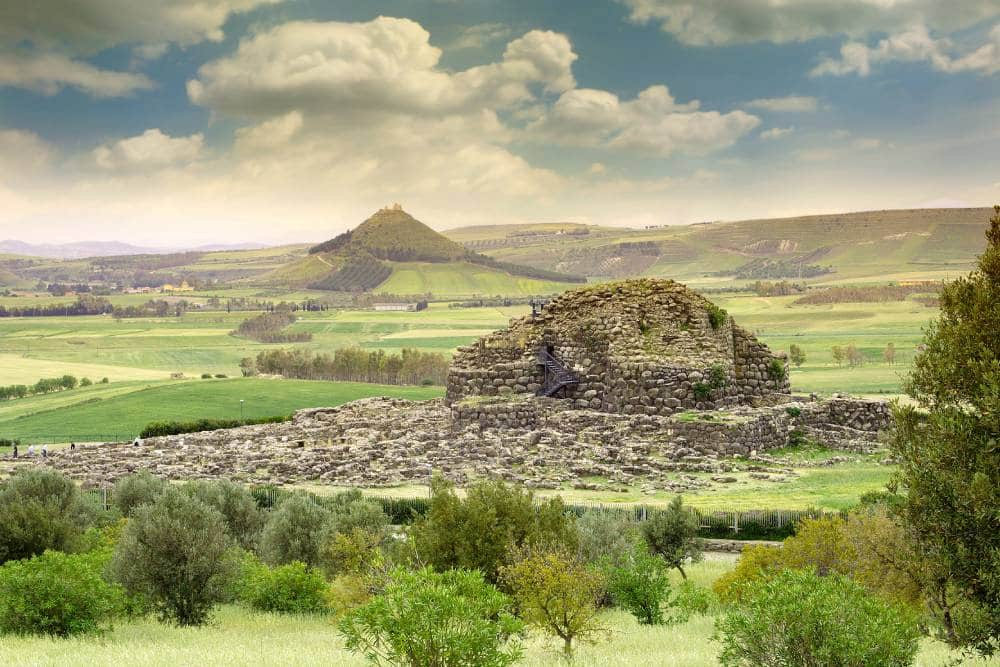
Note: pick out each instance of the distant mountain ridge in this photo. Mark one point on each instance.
(85, 249)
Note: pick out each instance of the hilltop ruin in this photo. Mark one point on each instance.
(640, 382)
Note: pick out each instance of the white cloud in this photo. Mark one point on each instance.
(776, 133)
(48, 73)
(94, 25)
(722, 22)
(652, 123)
(598, 168)
(790, 104)
(387, 65)
(22, 151)
(150, 150)
(479, 35)
(913, 45)
(270, 134)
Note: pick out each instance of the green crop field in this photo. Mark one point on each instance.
(238, 636)
(460, 280)
(106, 411)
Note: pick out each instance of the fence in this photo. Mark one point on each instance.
(745, 524)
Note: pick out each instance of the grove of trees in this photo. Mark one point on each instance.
(409, 367)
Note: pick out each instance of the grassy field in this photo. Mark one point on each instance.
(461, 280)
(238, 637)
(112, 411)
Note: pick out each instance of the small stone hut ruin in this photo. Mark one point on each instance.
(632, 347)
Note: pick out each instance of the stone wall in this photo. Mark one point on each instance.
(538, 442)
(637, 347)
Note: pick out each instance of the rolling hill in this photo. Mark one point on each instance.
(393, 252)
(869, 246)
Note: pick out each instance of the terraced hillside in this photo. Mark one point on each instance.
(871, 246)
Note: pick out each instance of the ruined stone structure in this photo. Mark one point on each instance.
(642, 382)
(632, 347)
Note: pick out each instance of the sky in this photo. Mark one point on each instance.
(171, 122)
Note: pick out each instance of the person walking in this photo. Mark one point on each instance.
(15, 450)
(31, 450)
(45, 451)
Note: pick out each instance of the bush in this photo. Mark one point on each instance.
(756, 563)
(692, 599)
(206, 376)
(86, 382)
(57, 594)
(716, 316)
(776, 370)
(557, 593)
(717, 376)
(175, 553)
(604, 538)
(41, 509)
(640, 585)
(799, 619)
(672, 534)
(701, 391)
(244, 521)
(135, 490)
(164, 428)
(428, 618)
(287, 589)
(104, 380)
(481, 530)
(295, 531)
(221, 376)
(351, 510)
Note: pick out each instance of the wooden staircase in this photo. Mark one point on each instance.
(556, 375)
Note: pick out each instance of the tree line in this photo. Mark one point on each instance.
(44, 386)
(270, 328)
(872, 294)
(410, 367)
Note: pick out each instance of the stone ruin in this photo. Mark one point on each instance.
(631, 347)
(607, 387)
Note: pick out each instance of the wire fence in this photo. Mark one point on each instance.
(744, 524)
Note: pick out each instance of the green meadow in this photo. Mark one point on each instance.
(237, 636)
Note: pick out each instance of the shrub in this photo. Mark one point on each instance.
(238, 508)
(558, 593)
(163, 428)
(86, 382)
(672, 534)
(175, 552)
(692, 599)
(640, 585)
(57, 594)
(41, 509)
(351, 510)
(428, 618)
(287, 589)
(135, 490)
(776, 370)
(480, 531)
(799, 619)
(756, 563)
(717, 376)
(701, 391)
(357, 552)
(604, 538)
(793, 411)
(221, 376)
(295, 531)
(206, 376)
(716, 316)
(104, 380)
